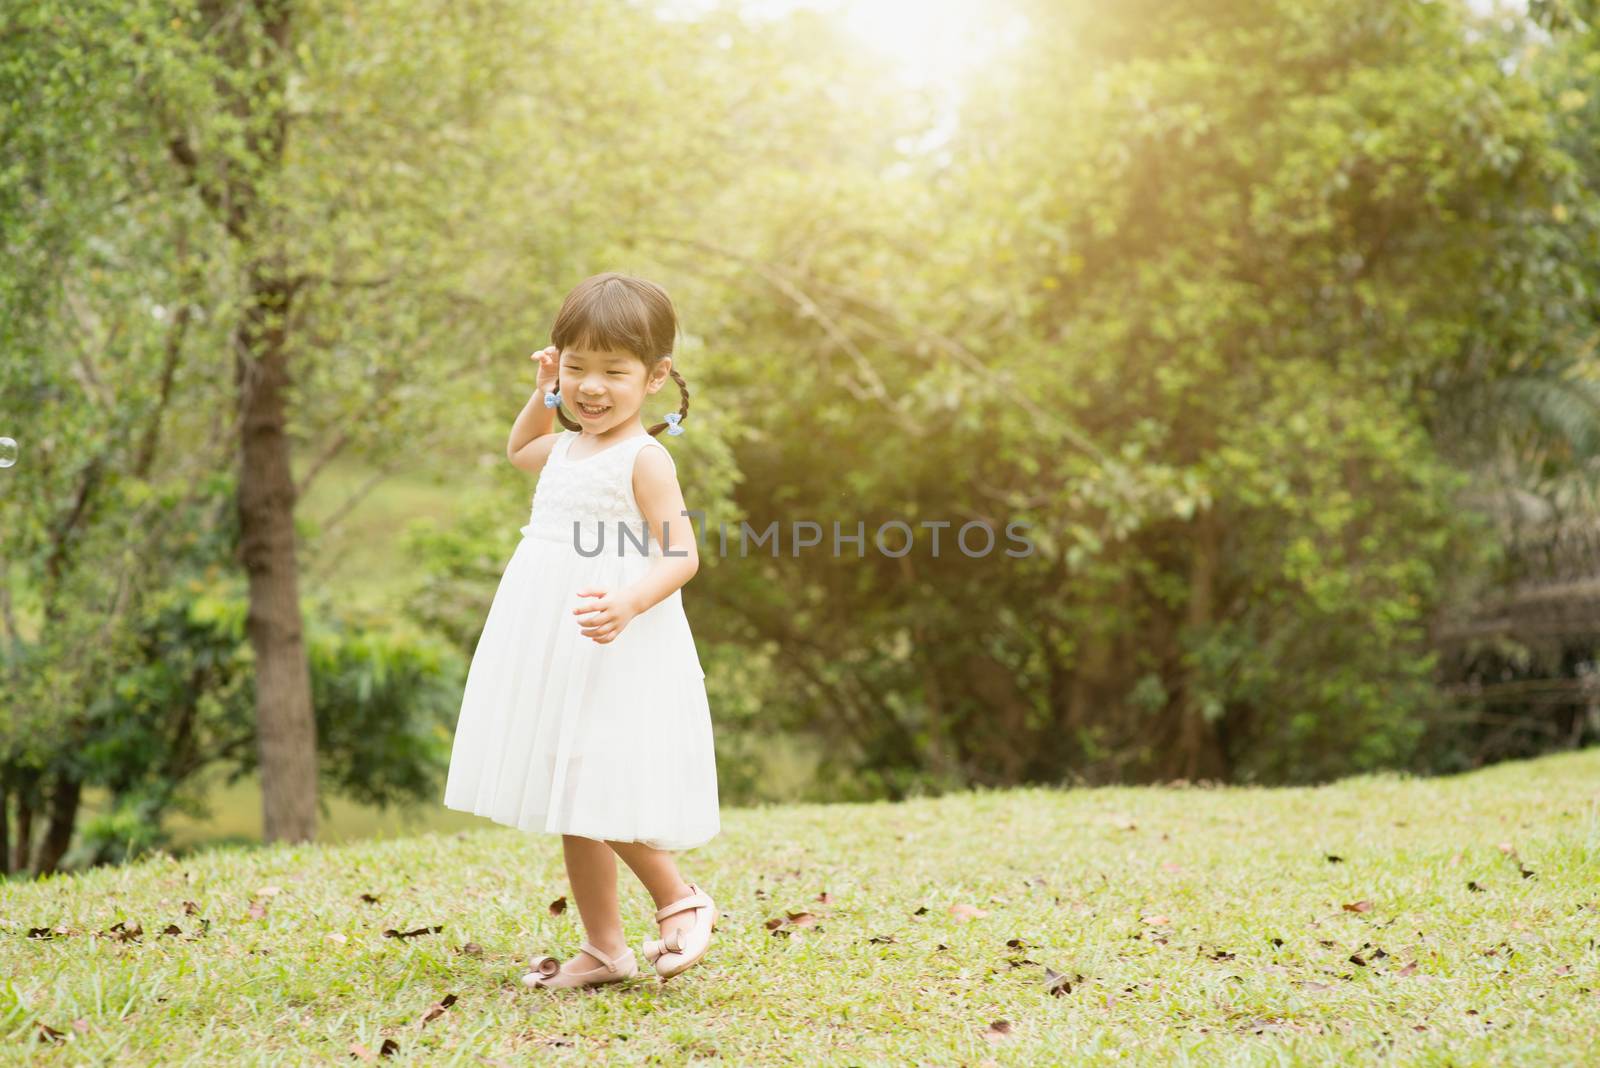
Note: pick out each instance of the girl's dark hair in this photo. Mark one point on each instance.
(617, 312)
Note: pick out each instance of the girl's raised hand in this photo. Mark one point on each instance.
(549, 360)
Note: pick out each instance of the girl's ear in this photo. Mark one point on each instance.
(660, 374)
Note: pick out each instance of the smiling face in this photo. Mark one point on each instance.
(606, 389)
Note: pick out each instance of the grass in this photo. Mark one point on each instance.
(1192, 925)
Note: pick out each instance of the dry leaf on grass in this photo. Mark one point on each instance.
(999, 1031)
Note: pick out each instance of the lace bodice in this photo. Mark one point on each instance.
(596, 493)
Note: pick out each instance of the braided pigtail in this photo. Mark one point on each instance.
(683, 406)
(566, 420)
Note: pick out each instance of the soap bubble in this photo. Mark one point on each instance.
(8, 452)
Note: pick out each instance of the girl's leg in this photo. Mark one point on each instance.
(592, 871)
(658, 871)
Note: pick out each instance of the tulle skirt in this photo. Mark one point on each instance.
(561, 734)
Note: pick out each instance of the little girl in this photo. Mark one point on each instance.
(584, 712)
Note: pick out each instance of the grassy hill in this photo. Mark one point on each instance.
(1379, 919)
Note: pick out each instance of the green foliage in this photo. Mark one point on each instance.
(1236, 265)
(386, 698)
(181, 714)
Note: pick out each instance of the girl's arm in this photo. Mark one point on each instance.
(531, 441)
(655, 487)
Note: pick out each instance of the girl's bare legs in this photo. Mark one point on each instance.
(658, 871)
(592, 871)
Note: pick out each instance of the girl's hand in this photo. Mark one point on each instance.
(605, 617)
(549, 360)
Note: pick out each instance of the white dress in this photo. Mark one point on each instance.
(563, 734)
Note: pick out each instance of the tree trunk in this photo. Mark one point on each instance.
(22, 848)
(285, 727)
(5, 829)
(1197, 754)
(63, 817)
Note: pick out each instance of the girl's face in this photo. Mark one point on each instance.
(607, 388)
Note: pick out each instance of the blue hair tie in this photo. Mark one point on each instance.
(673, 418)
(552, 400)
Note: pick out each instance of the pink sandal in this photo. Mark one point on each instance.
(547, 973)
(685, 945)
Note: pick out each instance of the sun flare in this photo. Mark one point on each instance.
(926, 44)
(933, 43)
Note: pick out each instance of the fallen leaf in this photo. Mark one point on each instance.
(388, 1049)
(1155, 921)
(559, 905)
(393, 933)
(825, 898)
(998, 1031)
(1359, 906)
(964, 912)
(268, 891)
(437, 1009)
(1057, 983)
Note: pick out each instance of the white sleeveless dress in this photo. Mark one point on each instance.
(563, 734)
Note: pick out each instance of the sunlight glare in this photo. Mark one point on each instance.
(933, 43)
(928, 44)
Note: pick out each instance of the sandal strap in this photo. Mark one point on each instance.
(607, 959)
(698, 900)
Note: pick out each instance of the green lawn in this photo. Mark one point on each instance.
(1460, 925)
